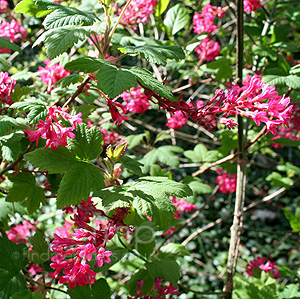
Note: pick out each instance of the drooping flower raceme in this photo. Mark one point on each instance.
(177, 121)
(264, 265)
(51, 73)
(208, 50)
(6, 87)
(136, 100)
(252, 5)
(52, 130)
(137, 12)
(73, 254)
(13, 30)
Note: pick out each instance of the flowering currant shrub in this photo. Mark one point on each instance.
(149, 149)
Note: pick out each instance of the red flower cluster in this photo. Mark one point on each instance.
(86, 241)
(208, 50)
(226, 181)
(3, 7)
(157, 292)
(6, 87)
(252, 5)
(21, 232)
(177, 121)
(51, 73)
(263, 265)
(52, 130)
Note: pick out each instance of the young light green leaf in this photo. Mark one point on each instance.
(64, 16)
(37, 8)
(155, 54)
(135, 140)
(78, 182)
(6, 44)
(173, 249)
(161, 7)
(177, 18)
(197, 186)
(58, 161)
(87, 144)
(201, 154)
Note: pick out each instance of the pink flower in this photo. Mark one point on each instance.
(137, 12)
(208, 50)
(85, 251)
(136, 100)
(3, 7)
(34, 269)
(204, 22)
(6, 87)
(64, 231)
(251, 5)
(226, 182)
(103, 256)
(13, 30)
(50, 74)
(51, 129)
(110, 137)
(115, 114)
(267, 266)
(21, 232)
(177, 121)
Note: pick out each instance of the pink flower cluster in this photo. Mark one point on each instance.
(263, 265)
(204, 22)
(157, 292)
(64, 231)
(252, 5)
(136, 100)
(3, 7)
(137, 12)
(6, 87)
(50, 74)
(226, 181)
(256, 100)
(73, 254)
(13, 30)
(177, 121)
(52, 130)
(21, 232)
(208, 50)
(110, 137)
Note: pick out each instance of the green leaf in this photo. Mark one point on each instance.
(84, 64)
(26, 294)
(293, 219)
(155, 54)
(132, 165)
(87, 144)
(265, 51)
(6, 44)
(59, 40)
(11, 146)
(13, 261)
(156, 170)
(175, 250)
(277, 180)
(99, 289)
(36, 8)
(25, 189)
(289, 81)
(113, 80)
(164, 268)
(134, 140)
(7, 208)
(197, 186)
(290, 291)
(65, 16)
(19, 91)
(145, 77)
(201, 154)
(287, 142)
(177, 18)
(6, 122)
(141, 274)
(58, 161)
(221, 66)
(37, 109)
(149, 196)
(161, 7)
(40, 250)
(66, 81)
(295, 70)
(77, 184)
(165, 154)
